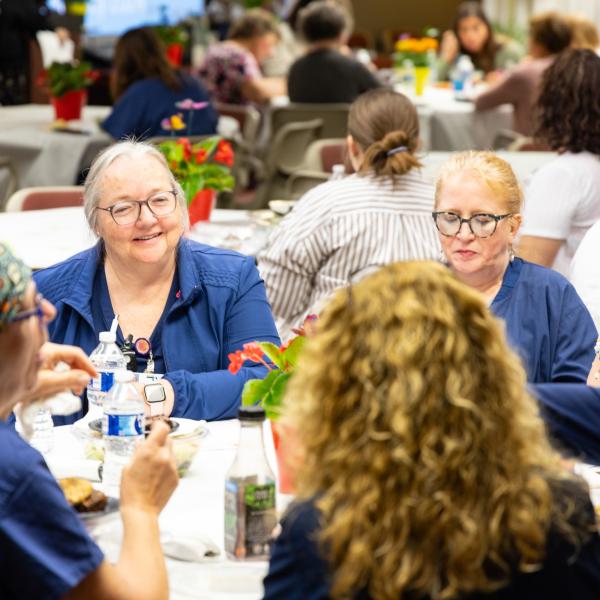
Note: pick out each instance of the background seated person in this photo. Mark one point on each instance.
(424, 469)
(335, 230)
(585, 272)
(147, 88)
(45, 549)
(562, 200)
(477, 213)
(473, 35)
(324, 74)
(231, 69)
(549, 34)
(192, 304)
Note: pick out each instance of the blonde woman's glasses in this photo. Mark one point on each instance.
(482, 225)
(126, 212)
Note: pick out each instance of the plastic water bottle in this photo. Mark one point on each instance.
(122, 428)
(337, 172)
(42, 438)
(107, 358)
(462, 75)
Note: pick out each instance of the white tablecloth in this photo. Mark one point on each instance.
(44, 237)
(449, 124)
(46, 157)
(194, 511)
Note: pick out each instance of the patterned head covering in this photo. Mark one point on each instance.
(14, 278)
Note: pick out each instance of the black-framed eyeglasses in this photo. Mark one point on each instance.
(126, 212)
(482, 225)
(38, 311)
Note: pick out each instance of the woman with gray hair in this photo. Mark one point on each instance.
(185, 306)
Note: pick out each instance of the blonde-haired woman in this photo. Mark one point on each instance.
(477, 213)
(426, 471)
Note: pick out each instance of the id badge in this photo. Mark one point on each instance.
(145, 378)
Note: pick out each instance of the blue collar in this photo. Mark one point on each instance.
(509, 281)
(79, 297)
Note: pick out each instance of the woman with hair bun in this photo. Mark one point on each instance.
(342, 228)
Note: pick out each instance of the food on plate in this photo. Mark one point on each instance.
(82, 495)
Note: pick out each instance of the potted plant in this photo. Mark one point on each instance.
(202, 168)
(66, 84)
(418, 52)
(269, 392)
(175, 39)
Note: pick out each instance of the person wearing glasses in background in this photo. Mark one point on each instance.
(44, 548)
(477, 213)
(186, 305)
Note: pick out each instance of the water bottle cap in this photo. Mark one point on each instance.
(251, 413)
(124, 375)
(108, 337)
(338, 168)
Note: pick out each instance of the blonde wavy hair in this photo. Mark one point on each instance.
(427, 457)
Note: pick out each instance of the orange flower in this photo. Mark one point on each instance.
(224, 153)
(200, 156)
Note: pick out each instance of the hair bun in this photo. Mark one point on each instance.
(395, 139)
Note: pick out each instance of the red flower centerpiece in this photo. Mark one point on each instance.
(269, 392)
(202, 169)
(66, 83)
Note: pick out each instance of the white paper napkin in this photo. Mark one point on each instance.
(189, 549)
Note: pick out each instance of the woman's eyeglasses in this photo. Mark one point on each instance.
(38, 311)
(126, 212)
(482, 225)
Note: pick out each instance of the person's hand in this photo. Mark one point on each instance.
(151, 477)
(74, 376)
(63, 34)
(449, 47)
(594, 376)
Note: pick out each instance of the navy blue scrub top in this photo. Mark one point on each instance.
(546, 323)
(45, 550)
(103, 314)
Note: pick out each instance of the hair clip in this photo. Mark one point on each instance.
(396, 150)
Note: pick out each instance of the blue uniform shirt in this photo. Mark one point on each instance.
(44, 549)
(546, 323)
(140, 110)
(221, 304)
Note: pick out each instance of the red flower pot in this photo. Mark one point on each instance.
(201, 206)
(175, 54)
(68, 106)
(284, 452)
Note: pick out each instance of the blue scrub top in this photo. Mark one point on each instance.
(139, 112)
(546, 323)
(103, 314)
(45, 550)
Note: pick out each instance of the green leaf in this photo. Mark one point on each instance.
(292, 352)
(255, 390)
(273, 353)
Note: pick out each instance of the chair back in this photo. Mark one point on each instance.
(9, 180)
(333, 115)
(247, 116)
(40, 198)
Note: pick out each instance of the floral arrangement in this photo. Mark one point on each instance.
(205, 165)
(417, 50)
(61, 78)
(280, 362)
(172, 34)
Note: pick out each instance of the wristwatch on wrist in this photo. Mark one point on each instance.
(155, 397)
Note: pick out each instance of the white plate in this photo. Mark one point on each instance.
(281, 207)
(186, 427)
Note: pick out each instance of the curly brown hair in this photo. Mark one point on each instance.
(568, 106)
(426, 455)
(139, 54)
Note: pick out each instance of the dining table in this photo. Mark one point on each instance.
(46, 152)
(192, 519)
(45, 237)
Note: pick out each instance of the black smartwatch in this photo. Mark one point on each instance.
(155, 397)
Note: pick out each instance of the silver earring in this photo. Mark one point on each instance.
(511, 253)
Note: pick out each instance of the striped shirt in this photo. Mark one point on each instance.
(341, 229)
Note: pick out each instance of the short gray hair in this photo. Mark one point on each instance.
(129, 149)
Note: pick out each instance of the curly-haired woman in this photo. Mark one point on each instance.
(563, 197)
(426, 471)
